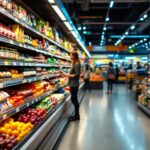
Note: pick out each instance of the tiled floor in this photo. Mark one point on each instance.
(108, 122)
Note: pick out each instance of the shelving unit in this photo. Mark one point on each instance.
(34, 31)
(53, 57)
(144, 108)
(28, 47)
(13, 82)
(27, 64)
(30, 101)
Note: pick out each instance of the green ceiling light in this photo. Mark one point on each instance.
(84, 32)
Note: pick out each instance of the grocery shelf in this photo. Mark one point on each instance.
(29, 64)
(34, 31)
(39, 132)
(146, 93)
(28, 47)
(144, 108)
(13, 82)
(29, 102)
(50, 112)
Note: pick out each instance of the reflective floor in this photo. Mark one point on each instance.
(108, 122)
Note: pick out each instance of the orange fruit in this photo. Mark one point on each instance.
(18, 139)
(7, 126)
(21, 135)
(9, 131)
(15, 132)
(13, 126)
(3, 130)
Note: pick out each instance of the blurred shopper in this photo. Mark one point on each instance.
(110, 77)
(138, 65)
(130, 67)
(86, 76)
(74, 77)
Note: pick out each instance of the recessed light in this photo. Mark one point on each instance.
(132, 27)
(79, 28)
(104, 28)
(84, 28)
(84, 32)
(145, 16)
(107, 19)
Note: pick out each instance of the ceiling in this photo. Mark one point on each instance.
(124, 13)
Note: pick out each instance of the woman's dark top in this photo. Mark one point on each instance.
(74, 81)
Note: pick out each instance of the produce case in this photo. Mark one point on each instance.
(31, 55)
(48, 132)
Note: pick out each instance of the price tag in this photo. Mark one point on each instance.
(24, 81)
(32, 102)
(14, 63)
(25, 46)
(17, 109)
(21, 64)
(16, 19)
(5, 116)
(1, 85)
(11, 42)
(20, 45)
(27, 104)
(6, 63)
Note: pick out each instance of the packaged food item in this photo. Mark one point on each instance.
(3, 96)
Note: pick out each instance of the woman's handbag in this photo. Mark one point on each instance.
(111, 76)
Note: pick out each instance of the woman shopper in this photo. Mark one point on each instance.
(74, 77)
(110, 77)
(86, 77)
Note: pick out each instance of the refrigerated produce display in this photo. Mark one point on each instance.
(33, 92)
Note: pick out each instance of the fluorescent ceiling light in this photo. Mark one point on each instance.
(111, 4)
(145, 16)
(132, 27)
(136, 44)
(59, 12)
(68, 25)
(107, 19)
(84, 28)
(74, 34)
(79, 28)
(126, 33)
(131, 36)
(104, 28)
(51, 1)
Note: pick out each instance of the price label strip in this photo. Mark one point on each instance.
(6, 63)
(5, 116)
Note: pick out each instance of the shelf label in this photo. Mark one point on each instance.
(1, 85)
(14, 63)
(6, 63)
(27, 104)
(5, 116)
(11, 41)
(21, 64)
(20, 45)
(17, 109)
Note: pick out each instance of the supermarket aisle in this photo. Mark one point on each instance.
(108, 122)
